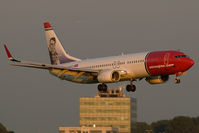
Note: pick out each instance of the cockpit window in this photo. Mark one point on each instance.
(180, 56)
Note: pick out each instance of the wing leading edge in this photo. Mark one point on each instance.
(22, 63)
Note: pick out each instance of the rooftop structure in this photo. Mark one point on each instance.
(112, 93)
(88, 130)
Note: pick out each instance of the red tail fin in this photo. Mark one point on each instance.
(47, 25)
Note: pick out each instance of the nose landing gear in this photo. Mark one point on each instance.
(177, 80)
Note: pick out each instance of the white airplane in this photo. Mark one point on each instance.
(155, 66)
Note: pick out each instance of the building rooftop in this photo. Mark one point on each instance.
(84, 129)
(112, 93)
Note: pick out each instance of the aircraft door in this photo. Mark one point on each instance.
(166, 61)
(116, 64)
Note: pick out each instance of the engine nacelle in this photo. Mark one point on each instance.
(108, 76)
(157, 79)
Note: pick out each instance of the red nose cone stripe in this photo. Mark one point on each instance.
(47, 25)
(163, 63)
(191, 63)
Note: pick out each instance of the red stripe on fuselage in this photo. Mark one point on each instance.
(165, 63)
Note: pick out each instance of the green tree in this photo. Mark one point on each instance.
(160, 126)
(140, 127)
(182, 124)
(196, 122)
(3, 129)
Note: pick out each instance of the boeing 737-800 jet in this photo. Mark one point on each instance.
(155, 66)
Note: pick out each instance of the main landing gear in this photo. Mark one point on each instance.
(102, 87)
(131, 87)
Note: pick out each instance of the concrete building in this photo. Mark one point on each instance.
(88, 130)
(112, 109)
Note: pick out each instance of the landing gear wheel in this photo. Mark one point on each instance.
(177, 81)
(133, 88)
(99, 87)
(130, 88)
(102, 87)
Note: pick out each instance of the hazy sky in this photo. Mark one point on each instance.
(33, 101)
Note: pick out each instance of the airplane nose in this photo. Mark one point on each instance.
(191, 63)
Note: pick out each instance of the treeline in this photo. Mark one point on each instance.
(180, 124)
(4, 130)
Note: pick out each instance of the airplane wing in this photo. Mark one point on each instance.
(43, 65)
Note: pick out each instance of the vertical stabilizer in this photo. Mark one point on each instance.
(56, 51)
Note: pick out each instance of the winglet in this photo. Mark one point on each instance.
(9, 55)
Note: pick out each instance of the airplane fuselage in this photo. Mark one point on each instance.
(135, 66)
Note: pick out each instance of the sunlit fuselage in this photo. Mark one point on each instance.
(139, 65)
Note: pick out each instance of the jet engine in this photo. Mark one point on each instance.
(157, 79)
(108, 76)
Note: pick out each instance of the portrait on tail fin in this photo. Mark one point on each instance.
(54, 57)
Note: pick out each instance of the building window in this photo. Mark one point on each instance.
(95, 131)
